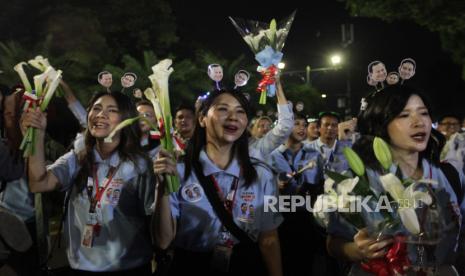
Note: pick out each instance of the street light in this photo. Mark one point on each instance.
(336, 60)
(281, 65)
(323, 96)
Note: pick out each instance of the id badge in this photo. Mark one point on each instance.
(221, 258)
(88, 236)
(92, 219)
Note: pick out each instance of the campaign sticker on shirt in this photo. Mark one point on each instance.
(248, 196)
(192, 192)
(113, 192)
(247, 213)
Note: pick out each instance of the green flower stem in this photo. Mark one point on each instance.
(262, 98)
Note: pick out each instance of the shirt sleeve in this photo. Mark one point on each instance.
(65, 169)
(10, 169)
(79, 112)
(278, 134)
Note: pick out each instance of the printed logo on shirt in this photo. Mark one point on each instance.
(192, 192)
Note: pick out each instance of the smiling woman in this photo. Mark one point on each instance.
(109, 185)
(401, 116)
(230, 186)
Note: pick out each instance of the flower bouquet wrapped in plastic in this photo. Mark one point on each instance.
(393, 211)
(266, 42)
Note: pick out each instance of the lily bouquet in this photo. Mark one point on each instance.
(391, 211)
(266, 42)
(159, 97)
(45, 86)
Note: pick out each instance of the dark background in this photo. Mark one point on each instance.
(316, 33)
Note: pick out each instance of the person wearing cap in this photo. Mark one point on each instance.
(328, 144)
(312, 130)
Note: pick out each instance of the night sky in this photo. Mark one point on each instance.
(316, 33)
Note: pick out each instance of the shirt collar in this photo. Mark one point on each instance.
(113, 161)
(321, 145)
(210, 168)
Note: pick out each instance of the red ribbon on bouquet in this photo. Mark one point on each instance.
(395, 261)
(267, 78)
(30, 100)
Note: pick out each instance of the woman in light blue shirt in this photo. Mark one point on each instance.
(401, 116)
(219, 151)
(110, 190)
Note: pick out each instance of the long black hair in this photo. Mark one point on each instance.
(240, 147)
(383, 107)
(129, 148)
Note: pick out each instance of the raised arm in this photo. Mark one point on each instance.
(40, 180)
(74, 105)
(283, 128)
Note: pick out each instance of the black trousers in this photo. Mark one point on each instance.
(246, 260)
(303, 247)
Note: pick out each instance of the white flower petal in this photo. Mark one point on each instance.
(329, 183)
(392, 185)
(346, 186)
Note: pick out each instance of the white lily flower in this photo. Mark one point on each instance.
(346, 186)
(410, 220)
(407, 198)
(328, 186)
(22, 75)
(120, 126)
(40, 63)
(50, 90)
(39, 82)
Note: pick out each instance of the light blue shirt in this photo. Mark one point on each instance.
(198, 227)
(17, 198)
(284, 161)
(450, 213)
(124, 241)
(278, 135)
(333, 158)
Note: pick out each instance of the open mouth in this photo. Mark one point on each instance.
(230, 128)
(419, 136)
(99, 125)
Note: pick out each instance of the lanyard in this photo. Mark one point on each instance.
(290, 162)
(99, 190)
(231, 197)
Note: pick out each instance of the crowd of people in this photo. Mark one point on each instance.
(120, 219)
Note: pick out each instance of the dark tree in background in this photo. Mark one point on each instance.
(446, 17)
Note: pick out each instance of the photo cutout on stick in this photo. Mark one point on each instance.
(128, 79)
(241, 78)
(105, 79)
(407, 68)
